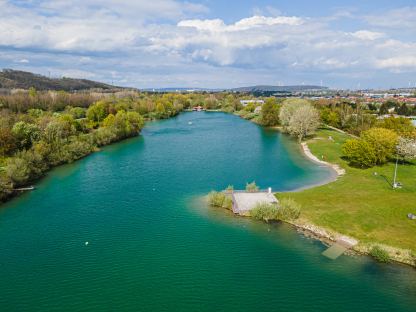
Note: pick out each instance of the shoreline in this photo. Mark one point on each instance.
(305, 227)
(398, 255)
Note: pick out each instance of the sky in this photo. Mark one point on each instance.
(349, 44)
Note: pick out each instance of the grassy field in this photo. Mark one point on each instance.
(361, 204)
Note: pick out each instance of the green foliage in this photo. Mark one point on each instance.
(219, 199)
(76, 112)
(289, 209)
(97, 112)
(375, 147)
(229, 188)
(380, 254)
(402, 126)
(270, 113)
(32, 92)
(25, 166)
(359, 153)
(330, 117)
(252, 187)
(25, 134)
(383, 141)
(8, 142)
(35, 112)
(265, 211)
(299, 118)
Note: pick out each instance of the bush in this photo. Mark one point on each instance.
(265, 211)
(288, 209)
(383, 141)
(380, 254)
(359, 153)
(219, 199)
(252, 187)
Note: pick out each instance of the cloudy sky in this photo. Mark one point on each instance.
(213, 43)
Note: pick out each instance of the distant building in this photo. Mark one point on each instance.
(246, 102)
(243, 201)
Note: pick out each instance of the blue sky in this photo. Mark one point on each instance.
(215, 44)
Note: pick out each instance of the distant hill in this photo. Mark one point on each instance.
(260, 88)
(181, 89)
(16, 79)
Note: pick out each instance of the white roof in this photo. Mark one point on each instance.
(246, 201)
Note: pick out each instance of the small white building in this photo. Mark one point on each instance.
(243, 201)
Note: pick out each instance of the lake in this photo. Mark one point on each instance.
(153, 245)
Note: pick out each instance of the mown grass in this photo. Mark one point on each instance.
(361, 204)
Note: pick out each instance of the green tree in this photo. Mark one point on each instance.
(25, 134)
(402, 126)
(359, 153)
(8, 143)
(97, 112)
(32, 92)
(270, 113)
(403, 110)
(330, 117)
(383, 141)
(252, 187)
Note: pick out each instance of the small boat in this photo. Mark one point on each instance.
(190, 123)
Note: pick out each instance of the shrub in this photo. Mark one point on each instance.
(252, 187)
(288, 209)
(219, 199)
(380, 254)
(265, 211)
(229, 188)
(359, 153)
(383, 141)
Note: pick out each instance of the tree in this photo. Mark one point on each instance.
(383, 141)
(25, 134)
(299, 118)
(402, 126)
(252, 187)
(359, 153)
(330, 117)
(270, 113)
(97, 112)
(403, 110)
(406, 148)
(8, 142)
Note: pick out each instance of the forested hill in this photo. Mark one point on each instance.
(15, 79)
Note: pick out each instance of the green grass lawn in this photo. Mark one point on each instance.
(361, 204)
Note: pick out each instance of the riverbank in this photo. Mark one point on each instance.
(361, 204)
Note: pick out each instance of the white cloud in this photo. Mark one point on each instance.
(217, 25)
(402, 18)
(23, 61)
(169, 40)
(398, 62)
(367, 35)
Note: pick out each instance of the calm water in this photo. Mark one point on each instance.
(153, 246)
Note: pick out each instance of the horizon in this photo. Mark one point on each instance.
(212, 45)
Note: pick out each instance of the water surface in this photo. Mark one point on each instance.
(153, 246)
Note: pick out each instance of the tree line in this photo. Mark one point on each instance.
(42, 129)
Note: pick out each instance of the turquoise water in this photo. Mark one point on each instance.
(153, 246)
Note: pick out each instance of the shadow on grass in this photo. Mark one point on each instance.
(386, 179)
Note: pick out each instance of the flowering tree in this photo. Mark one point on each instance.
(406, 148)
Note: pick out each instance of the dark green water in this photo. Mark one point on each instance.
(154, 247)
